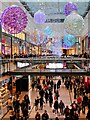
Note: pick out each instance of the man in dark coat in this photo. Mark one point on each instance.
(61, 107)
(37, 116)
(56, 106)
(45, 116)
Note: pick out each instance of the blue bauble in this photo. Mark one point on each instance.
(69, 40)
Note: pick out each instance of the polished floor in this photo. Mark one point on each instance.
(63, 95)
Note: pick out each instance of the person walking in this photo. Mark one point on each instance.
(61, 107)
(56, 106)
(67, 112)
(41, 103)
(46, 96)
(50, 100)
(37, 116)
(27, 101)
(58, 84)
(75, 92)
(45, 116)
(36, 103)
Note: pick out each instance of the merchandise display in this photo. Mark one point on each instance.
(74, 24)
(4, 95)
(39, 17)
(14, 19)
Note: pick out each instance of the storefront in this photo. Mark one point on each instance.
(86, 44)
(12, 44)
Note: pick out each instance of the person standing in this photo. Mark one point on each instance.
(45, 116)
(37, 116)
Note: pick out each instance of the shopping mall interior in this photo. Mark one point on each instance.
(45, 59)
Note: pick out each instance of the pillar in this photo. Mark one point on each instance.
(78, 47)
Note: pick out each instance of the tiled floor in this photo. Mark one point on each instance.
(63, 95)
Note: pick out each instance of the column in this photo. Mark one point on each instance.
(78, 42)
(11, 47)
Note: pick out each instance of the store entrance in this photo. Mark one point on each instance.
(65, 51)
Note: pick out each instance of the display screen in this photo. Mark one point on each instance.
(54, 65)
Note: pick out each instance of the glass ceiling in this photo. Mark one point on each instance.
(54, 8)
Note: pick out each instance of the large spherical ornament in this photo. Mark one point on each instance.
(65, 46)
(48, 31)
(14, 19)
(69, 7)
(74, 24)
(69, 40)
(39, 17)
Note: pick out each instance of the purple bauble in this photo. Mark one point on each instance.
(39, 17)
(69, 7)
(14, 19)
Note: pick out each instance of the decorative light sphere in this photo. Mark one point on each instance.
(69, 40)
(48, 31)
(65, 46)
(74, 24)
(69, 7)
(40, 38)
(14, 19)
(39, 17)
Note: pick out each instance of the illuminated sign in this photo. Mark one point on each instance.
(21, 65)
(54, 65)
(20, 35)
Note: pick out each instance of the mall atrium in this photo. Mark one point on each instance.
(45, 59)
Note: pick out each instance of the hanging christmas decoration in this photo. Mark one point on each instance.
(69, 40)
(48, 31)
(69, 7)
(40, 37)
(65, 46)
(74, 24)
(14, 19)
(39, 17)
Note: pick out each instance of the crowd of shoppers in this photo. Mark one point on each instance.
(48, 89)
(48, 94)
(15, 105)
